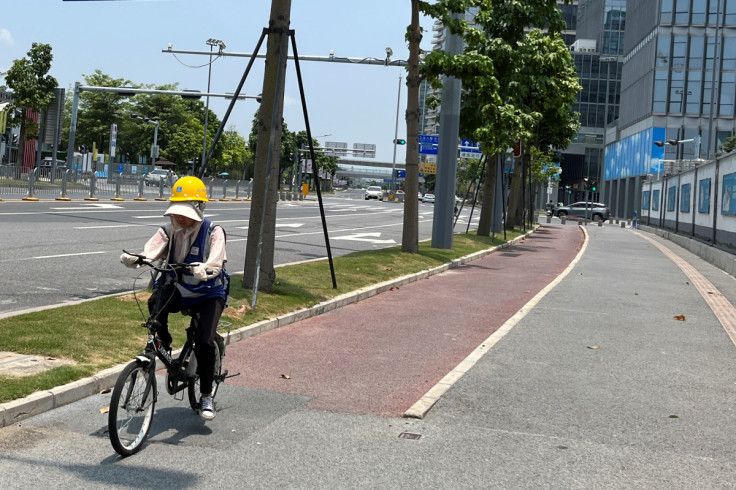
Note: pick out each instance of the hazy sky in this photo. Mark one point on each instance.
(125, 39)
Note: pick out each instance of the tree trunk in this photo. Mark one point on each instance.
(410, 231)
(485, 222)
(515, 213)
(265, 186)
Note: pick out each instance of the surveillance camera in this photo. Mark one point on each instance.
(332, 52)
(389, 52)
(170, 46)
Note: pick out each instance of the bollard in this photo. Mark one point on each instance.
(140, 190)
(64, 180)
(160, 191)
(237, 191)
(562, 220)
(92, 184)
(32, 176)
(623, 224)
(549, 219)
(224, 191)
(117, 189)
(600, 223)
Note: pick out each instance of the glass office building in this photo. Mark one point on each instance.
(678, 84)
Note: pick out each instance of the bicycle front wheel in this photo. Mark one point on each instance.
(131, 408)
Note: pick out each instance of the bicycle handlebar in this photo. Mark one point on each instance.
(170, 267)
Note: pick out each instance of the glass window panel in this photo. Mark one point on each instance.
(694, 87)
(682, 12)
(728, 85)
(709, 50)
(729, 53)
(730, 18)
(666, 12)
(698, 12)
(679, 52)
(697, 45)
(663, 50)
(712, 12)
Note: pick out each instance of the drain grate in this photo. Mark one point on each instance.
(409, 435)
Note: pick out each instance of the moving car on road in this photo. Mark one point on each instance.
(154, 176)
(428, 198)
(373, 192)
(595, 210)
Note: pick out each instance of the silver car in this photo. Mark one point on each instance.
(373, 192)
(578, 209)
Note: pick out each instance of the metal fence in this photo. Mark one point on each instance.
(41, 183)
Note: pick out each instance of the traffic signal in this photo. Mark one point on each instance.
(399, 141)
(594, 186)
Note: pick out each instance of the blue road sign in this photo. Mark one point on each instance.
(428, 144)
(401, 174)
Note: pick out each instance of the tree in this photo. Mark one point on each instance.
(235, 154)
(729, 145)
(410, 229)
(33, 90)
(494, 68)
(259, 270)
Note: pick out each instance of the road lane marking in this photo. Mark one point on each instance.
(63, 255)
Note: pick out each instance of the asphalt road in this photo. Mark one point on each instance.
(54, 251)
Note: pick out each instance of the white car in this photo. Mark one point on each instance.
(154, 176)
(428, 198)
(373, 192)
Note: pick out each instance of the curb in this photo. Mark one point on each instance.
(43, 401)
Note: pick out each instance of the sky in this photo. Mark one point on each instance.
(127, 39)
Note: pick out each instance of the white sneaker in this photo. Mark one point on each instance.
(207, 408)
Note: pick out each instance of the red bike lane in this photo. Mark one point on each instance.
(379, 356)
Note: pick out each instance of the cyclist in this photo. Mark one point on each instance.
(202, 291)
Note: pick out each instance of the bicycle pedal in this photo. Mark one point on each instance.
(231, 375)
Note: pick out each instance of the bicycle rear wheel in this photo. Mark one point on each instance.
(193, 388)
(129, 419)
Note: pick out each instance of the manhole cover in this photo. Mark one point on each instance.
(409, 435)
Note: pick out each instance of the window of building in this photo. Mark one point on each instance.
(682, 12)
(728, 87)
(730, 19)
(660, 91)
(677, 92)
(679, 52)
(665, 15)
(713, 12)
(729, 53)
(698, 12)
(697, 45)
(710, 43)
(694, 88)
(663, 51)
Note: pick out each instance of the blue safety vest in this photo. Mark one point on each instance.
(194, 291)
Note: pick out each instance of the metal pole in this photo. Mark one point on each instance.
(442, 223)
(154, 150)
(396, 135)
(206, 115)
(73, 123)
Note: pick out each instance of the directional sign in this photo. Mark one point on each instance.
(428, 144)
(469, 149)
(401, 174)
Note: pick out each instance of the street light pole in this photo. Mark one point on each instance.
(210, 42)
(396, 136)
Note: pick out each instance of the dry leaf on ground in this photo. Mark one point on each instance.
(680, 318)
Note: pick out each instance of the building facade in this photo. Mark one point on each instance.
(678, 91)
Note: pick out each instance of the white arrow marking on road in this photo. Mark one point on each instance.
(363, 237)
(289, 225)
(91, 205)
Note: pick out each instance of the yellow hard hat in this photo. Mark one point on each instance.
(189, 189)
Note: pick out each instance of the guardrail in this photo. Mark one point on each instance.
(67, 185)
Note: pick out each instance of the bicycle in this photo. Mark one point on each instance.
(135, 393)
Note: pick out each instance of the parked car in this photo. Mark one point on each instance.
(154, 176)
(48, 162)
(373, 192)
(420, 196)
(428, 198)
(594, 209)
